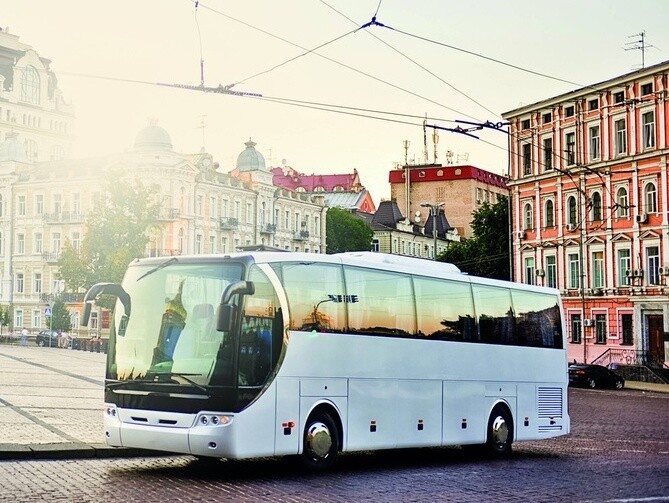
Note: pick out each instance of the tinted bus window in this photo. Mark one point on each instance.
(316, 296)
(445, 309)
(538, 321)
(495, 316)
(384, 303)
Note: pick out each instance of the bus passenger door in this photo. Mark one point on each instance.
(287, 428)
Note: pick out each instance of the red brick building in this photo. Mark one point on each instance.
(462, 189)
(589, 212)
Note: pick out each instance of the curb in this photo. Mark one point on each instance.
(72, 450)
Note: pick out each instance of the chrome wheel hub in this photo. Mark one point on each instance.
(318, 440)
(500, 433)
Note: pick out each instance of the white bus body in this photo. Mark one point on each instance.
(365, 364)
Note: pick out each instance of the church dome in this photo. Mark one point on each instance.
(250, 159)
(153, 138)
(12, 149)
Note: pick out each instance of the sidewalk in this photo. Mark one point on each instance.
(51, 404)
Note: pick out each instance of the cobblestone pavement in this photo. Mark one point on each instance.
(618, 452)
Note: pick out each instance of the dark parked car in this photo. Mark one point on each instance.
(42, 338)
(594, 376)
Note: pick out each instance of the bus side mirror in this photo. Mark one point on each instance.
(227, 310)
(225, 318)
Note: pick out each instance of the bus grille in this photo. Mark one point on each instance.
(549, 402)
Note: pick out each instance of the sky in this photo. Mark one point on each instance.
(441, 59)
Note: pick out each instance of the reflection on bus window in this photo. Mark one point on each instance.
(445, 309)
(385, 303)
(315, 296)
(261, 332)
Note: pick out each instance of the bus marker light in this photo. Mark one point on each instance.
(420, 425)
(212, 445)
(372, 426)
(527, 421)
(464, 423)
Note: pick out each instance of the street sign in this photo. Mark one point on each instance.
(47, 311)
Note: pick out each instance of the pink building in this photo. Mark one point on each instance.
(589, 212)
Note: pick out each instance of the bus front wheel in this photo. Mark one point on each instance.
(321, 442)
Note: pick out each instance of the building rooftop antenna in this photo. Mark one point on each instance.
(639, 45)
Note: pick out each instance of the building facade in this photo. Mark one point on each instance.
(395, 234)
(340, 190)
(589, 212)
(31, 104)
(461, 189)
(204, 210)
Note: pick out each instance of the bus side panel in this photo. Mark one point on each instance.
(254, 428)
(526, 420)
(465, 413)
(287, 439)
(371, 414)
(417, 412)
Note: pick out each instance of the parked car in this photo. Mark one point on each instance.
(43, 337)
(594, 376)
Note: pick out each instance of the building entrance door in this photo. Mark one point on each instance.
(655, 325)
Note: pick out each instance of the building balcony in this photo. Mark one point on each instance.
(228, 223)
(301, 236)
(51, 257)
(268, 229)
(168, 214)
(64, 217)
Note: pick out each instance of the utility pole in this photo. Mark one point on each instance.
(434, 211)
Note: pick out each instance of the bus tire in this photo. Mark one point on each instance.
(500, 432)
(321, 442)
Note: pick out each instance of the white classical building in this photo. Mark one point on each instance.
(205, 209)
(31, 104)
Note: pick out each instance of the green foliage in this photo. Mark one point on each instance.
(5, 317)
(118, 230)
(487, 252)
(346, 232)
(60, 316)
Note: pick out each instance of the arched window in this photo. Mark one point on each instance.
(527, 216)
(650, 198)
(621, 201)
(596, 206)
(549, 213)
(30, 85)
(2, 206)
(571, 210)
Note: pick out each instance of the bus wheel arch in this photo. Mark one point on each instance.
(322, 438)
(499, 432)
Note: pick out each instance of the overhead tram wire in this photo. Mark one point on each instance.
(462, 93)
(361, 72)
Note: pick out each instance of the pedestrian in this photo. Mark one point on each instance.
(24, 337)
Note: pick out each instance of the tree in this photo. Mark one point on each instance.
(346, 232)
(5, 317)
(60, 316)
(487, 252)
(117, 232)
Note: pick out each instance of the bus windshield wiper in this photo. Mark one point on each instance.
(158, 267)
(183, 376)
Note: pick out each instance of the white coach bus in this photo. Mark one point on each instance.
(270, 353)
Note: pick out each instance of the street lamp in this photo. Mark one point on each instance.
(434, 211)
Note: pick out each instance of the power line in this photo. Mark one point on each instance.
(412, 60)
(310, 51)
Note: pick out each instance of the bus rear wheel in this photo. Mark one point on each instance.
(321, 442)
(500, 432)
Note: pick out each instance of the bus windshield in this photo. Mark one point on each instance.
(171, 335)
